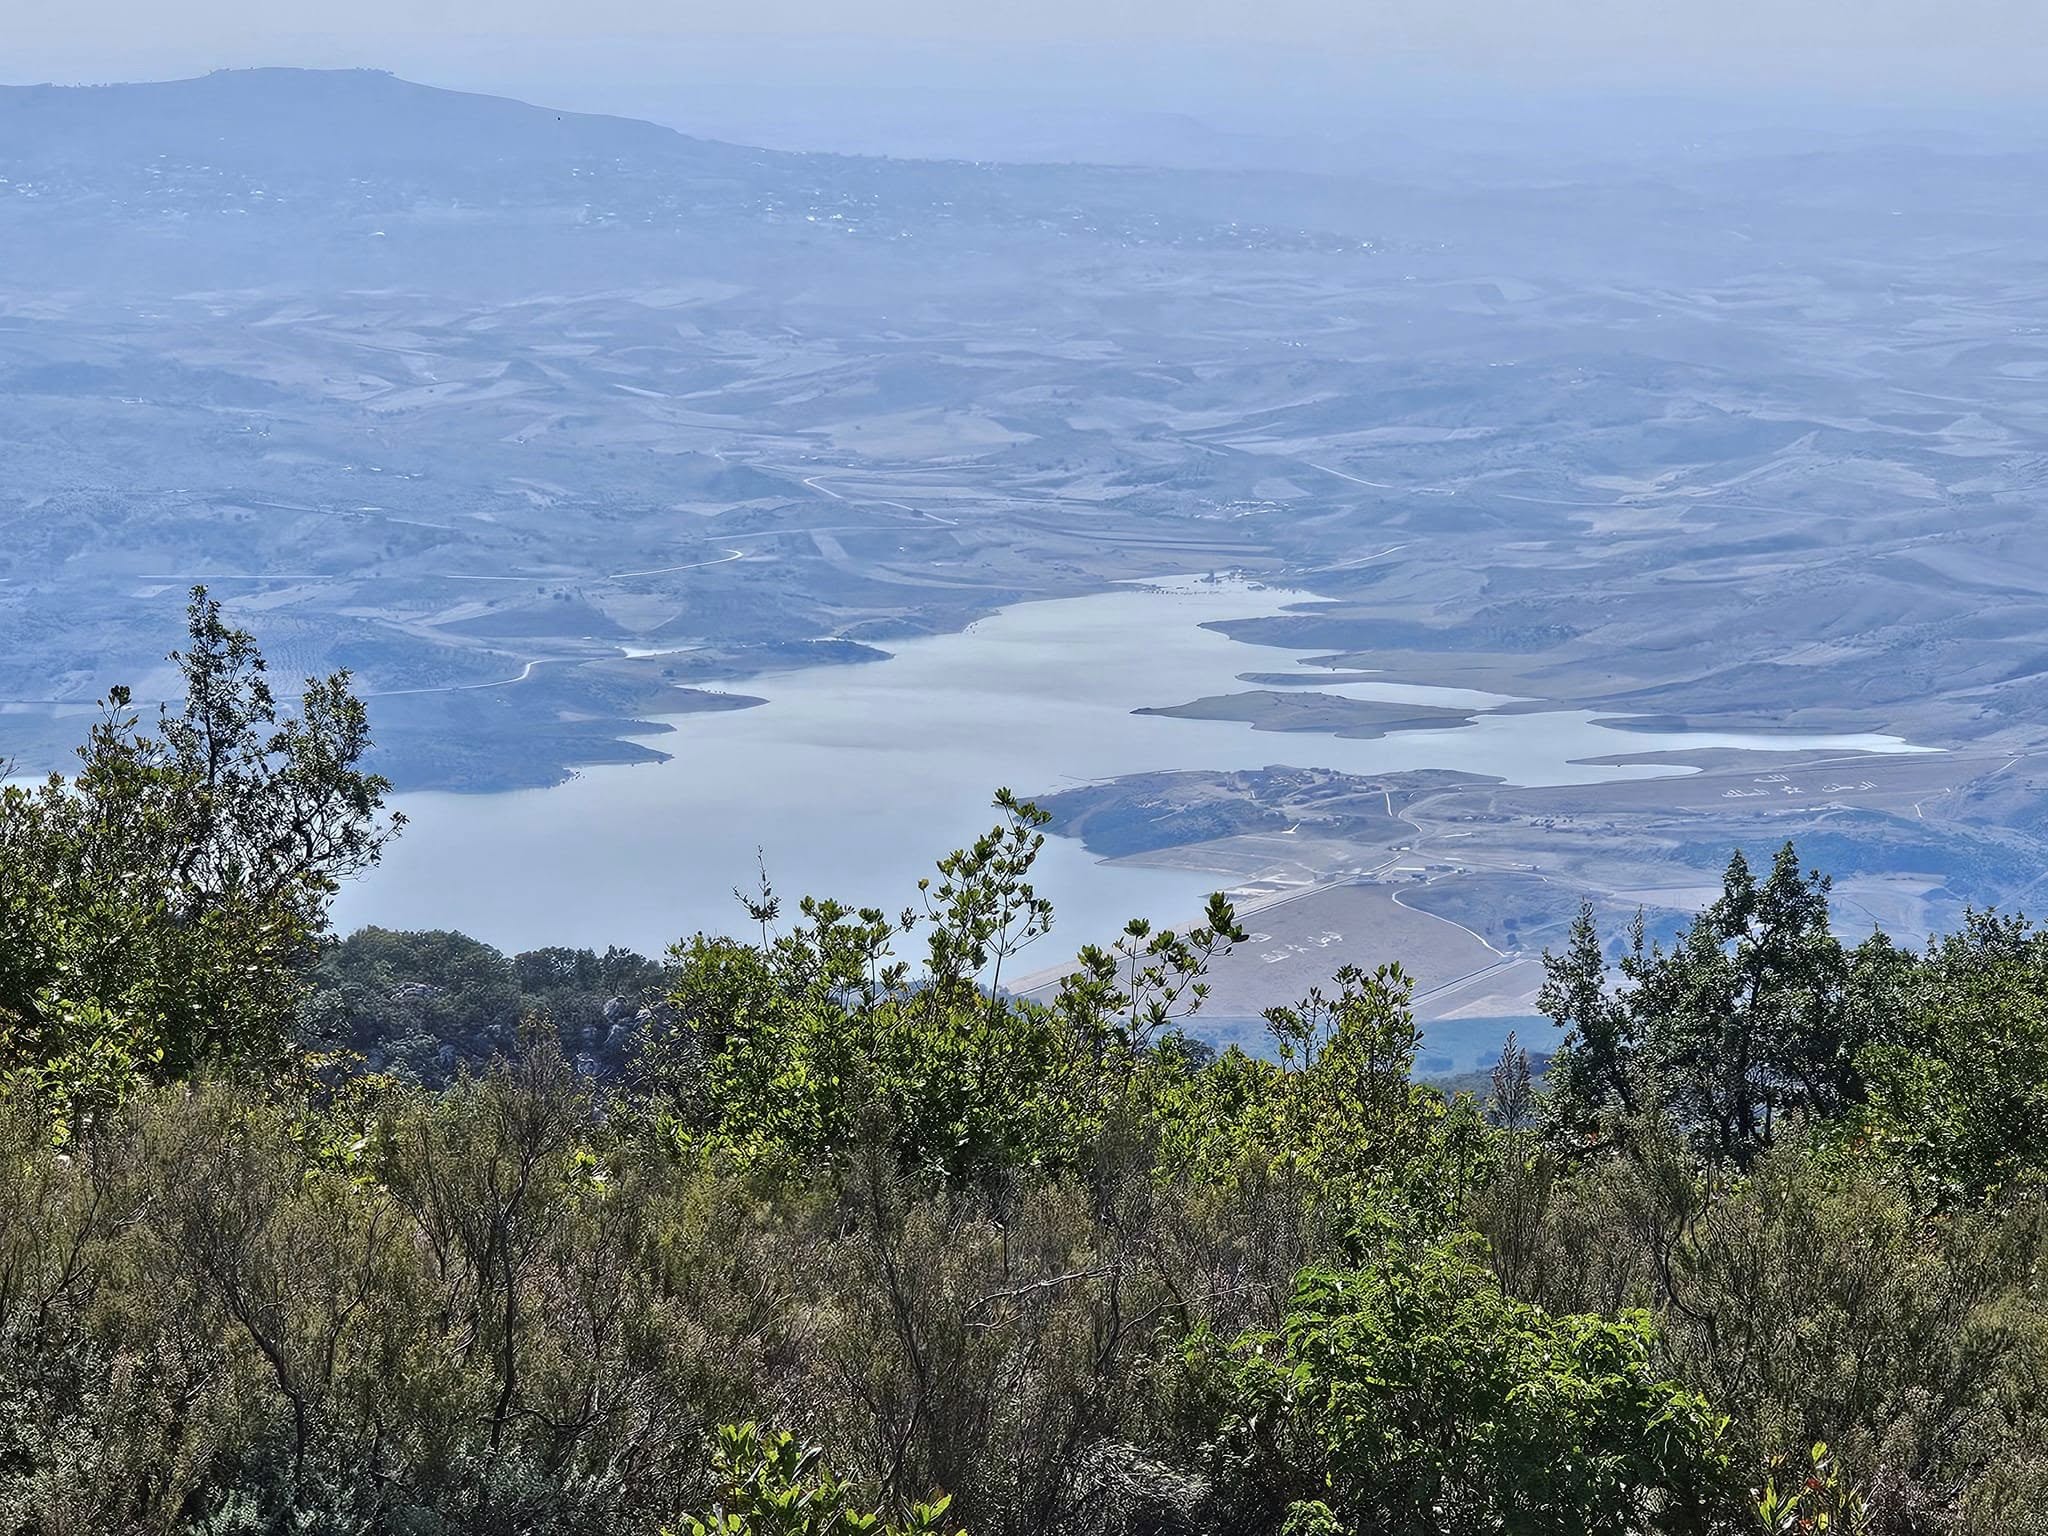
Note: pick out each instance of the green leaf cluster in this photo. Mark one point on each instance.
(775, 1486)
(1415, 1396)
(158, 909)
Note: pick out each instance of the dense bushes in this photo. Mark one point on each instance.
(526, 1303)
(486, 1311)
(1059, 1265)
(1415, 1396)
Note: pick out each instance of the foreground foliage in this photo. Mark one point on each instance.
(157, 909)
(312, 1241)
(776, 1487)
(1416, 1396)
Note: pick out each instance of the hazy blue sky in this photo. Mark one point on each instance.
(2001, 42)
(906, 75)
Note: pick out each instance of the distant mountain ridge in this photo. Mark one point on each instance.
(315, 119)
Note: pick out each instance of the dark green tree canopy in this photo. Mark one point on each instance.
(158, 908)
(1752, 1018)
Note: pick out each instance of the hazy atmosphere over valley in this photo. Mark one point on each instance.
(1459, 494)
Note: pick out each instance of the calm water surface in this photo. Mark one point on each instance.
(853, 779)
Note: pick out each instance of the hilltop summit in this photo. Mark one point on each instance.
(363, 120)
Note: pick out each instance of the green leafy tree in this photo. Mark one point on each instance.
(1414, 1396)
(1592, 1074)
(1958, 1082)
(1335, 1114)
(1393, 1153)
(1123, 998)
(158, 909)
(1750, 1018)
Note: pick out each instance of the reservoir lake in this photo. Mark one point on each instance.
(852, 780)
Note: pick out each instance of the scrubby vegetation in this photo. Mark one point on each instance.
(815, 1229)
